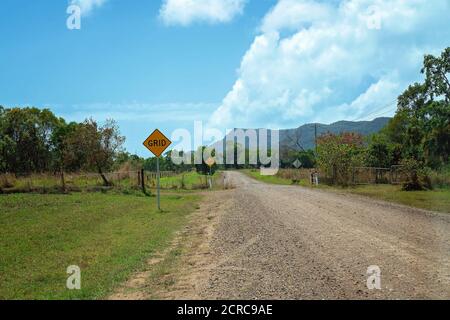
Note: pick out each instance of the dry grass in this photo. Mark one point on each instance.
(51, 183)
(122, 181)
(7, 181)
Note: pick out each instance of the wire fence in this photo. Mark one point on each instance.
(55, 182)
(351, 176)
(372, 175)
(147, 180)
(139, 180)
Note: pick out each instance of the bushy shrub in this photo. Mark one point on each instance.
(441, 177)
(337, 155)
(418, 176)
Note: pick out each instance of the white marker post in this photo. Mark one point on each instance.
(210, 162)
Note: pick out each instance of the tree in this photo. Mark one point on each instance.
(128, 162)
(25, 139)
(436, 70)
(417, 176)
(426, 108)
(59, 142)
(437, 128)
(307, 159)
(381, 153)
(94, 146)
(337, 155)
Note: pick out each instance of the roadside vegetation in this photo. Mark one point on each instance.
(436, 200)
(108, 236)
(406, 162)
(417, 139)
(71, 195)
(121, 182)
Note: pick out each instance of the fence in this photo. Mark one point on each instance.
(370, 175)
(48, 183)
(355, 176)
(149, 175)
(294, 174)
(373, 175)
(399, 175)
(122, 180)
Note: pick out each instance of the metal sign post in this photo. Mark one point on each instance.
(157, 143)
(210, 178)
(158, 175)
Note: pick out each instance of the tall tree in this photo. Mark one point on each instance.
(426, 107)
(25, 139)
(338, 154)
(94, 146)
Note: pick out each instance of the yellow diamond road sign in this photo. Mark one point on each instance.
(210, 162)
(157, 143)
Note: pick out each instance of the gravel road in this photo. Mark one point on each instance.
(288, 242)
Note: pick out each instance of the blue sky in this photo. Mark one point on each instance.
(230, 63)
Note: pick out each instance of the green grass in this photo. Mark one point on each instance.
(267, 179)
(192, 181)
(48, 183)
(109, 236)
(435, 200)
(125, 183)
(271, 179)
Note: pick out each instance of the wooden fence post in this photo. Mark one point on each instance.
(143, 181)
(63, 181)
(138, 178)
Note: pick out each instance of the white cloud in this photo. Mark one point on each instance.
(185, 12)
(326, 61)
(292, 14)
(88, 5)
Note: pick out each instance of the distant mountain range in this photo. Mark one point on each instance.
(304, 136)
(306, 132)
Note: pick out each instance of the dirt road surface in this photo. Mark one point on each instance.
(261, 241)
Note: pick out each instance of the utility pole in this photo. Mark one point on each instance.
(315, 135)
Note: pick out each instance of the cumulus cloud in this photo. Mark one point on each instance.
(185, 12)
(88, 5)
(327, 61)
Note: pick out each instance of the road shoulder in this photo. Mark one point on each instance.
(182, 270)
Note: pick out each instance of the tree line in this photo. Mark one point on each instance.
(417, 138)
(34, 140)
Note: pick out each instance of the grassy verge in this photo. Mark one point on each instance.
(109, 236)
(267, 179)
(189, 181)
(436, 200)
(125, 182)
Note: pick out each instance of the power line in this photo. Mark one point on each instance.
(390, 105)
(386, 112)
(375, 112)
